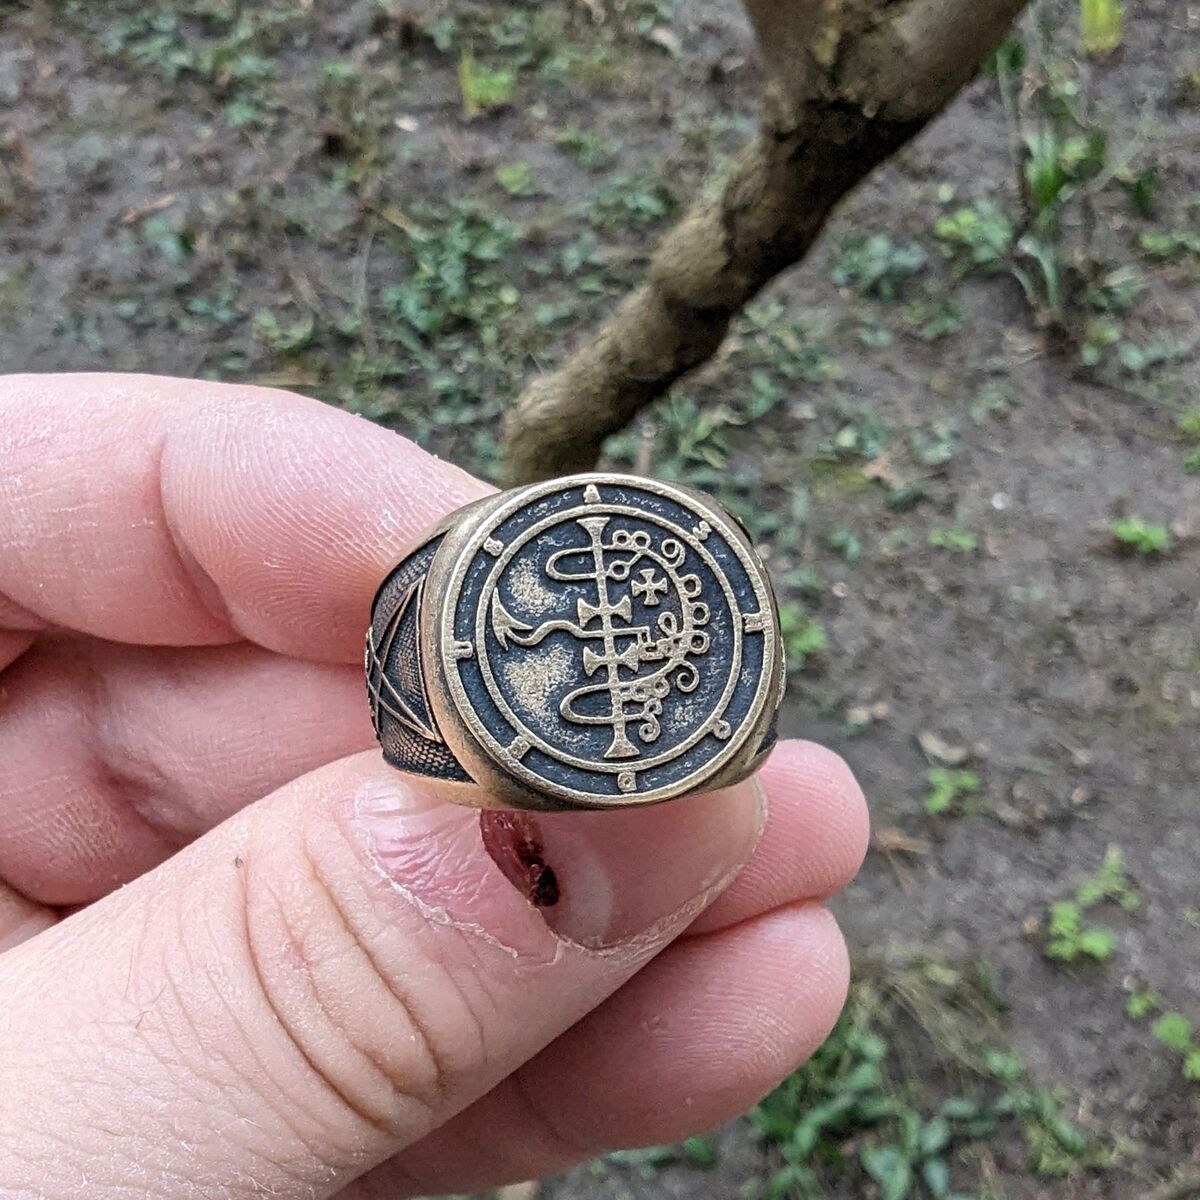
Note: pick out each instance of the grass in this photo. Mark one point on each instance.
(910, 1080)
(1169, 245)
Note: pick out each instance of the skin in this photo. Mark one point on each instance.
(239, 956)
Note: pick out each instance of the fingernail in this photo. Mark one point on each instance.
(600, 879)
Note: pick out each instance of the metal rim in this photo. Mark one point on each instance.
(484, 754)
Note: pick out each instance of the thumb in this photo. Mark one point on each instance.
(326, 978)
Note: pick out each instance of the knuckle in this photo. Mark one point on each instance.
(381, 1046)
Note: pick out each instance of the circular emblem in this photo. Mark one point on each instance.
(608, 637)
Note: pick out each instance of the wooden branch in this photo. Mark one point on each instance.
(848, 83)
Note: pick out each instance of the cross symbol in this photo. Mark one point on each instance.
(648, 587)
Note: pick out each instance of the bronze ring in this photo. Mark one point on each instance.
(597, 641)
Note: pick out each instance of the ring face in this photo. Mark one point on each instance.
(609, 640)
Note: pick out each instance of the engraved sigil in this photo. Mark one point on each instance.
(609, 640)
(636, 665)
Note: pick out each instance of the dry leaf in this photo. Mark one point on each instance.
(660, 35)
(934, 746)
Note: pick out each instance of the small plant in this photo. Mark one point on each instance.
(1111, 882)
(590, 150)
(1174, 1031)
(976, 238)
(846, 543)
(948, 789)
(934, 315)
(454, 281)
(1100, 26)
(1136, 536)
(1069, 936)
(639, 197)
(484, 89)
(1142, 1003)
(1189, 428)
(516, 178)
(961, 541)
(1171, 1029)
(284, 338)
(1170, 245)
(877, 266)
(803, 634)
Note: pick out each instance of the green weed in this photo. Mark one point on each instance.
(803, 634)
(846, 543)
(1137, 536)
(1069, 938)
(978, 237)
(907, 1080)
(232, 48)
(455, 279)
(639, 198)
(772, 338)
(961, 541)
(1170, 245)
(696, 1151)
(590, 150)
(934, 315)
(935, 444)
(1189, 428)
(1100, 26)
(949, 790)
(483, 89)
(1171, 1029)
(1110, 883)
(516, 178)
(1068, 935)
(1185, 87)
(284, 337)
(877, 266)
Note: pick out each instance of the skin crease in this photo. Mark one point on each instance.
(317, 981)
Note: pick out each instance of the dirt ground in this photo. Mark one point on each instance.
(298, 193)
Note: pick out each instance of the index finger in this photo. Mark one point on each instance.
(174, 512)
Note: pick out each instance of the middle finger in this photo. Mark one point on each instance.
(116, 756)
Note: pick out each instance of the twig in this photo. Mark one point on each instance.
(362, 290)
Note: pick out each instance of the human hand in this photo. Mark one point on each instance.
(289, 970)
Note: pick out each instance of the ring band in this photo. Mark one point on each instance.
(597, 641)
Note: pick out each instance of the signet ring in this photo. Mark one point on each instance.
(595, 641)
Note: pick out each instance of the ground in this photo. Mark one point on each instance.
(975, 495)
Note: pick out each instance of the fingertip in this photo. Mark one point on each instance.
(810, 772)
(815, 838)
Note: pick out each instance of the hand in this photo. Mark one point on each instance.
(241, 957)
